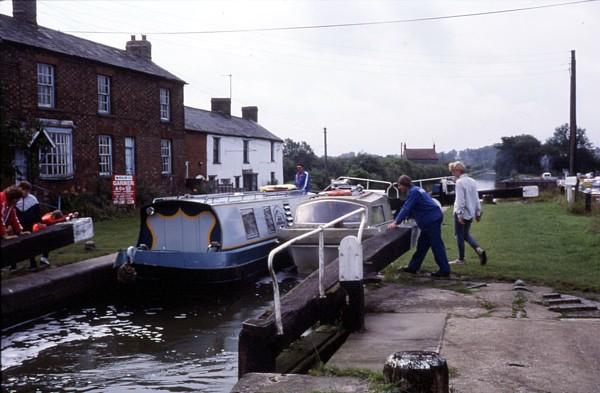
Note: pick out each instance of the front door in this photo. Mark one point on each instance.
(250, 182)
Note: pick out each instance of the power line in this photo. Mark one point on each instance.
(328, 26)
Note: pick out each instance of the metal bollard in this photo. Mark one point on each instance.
(351, 279)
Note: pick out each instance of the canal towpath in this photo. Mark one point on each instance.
(494, 338)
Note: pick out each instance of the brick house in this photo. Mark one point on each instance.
(420, 156)
(236, 152)
(106, 110)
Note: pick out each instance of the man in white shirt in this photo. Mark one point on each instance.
(466, 208)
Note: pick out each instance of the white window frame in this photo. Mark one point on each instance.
(165, 104)
(103, 94)
(130, 147)
(217, 149)
(57, 162)
(105, 157)
(165, 157)
(45, 85)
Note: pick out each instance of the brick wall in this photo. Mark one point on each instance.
(134, 113)
(195, 153)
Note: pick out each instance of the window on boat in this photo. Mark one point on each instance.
(322, 212)
(249, 221)
(269, 219)
(377, 216)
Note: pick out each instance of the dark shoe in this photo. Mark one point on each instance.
(440, 274)
(405, 269)
(482, 257)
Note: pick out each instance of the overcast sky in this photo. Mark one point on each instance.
(458, 83)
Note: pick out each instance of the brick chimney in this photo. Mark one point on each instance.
(25, 11)
(221, 105)
(250, 113)
(141, 48)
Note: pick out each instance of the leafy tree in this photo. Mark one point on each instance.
(295, 153)
(518, 154)
(556, 149)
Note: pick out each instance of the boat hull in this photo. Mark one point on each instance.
(193, 268)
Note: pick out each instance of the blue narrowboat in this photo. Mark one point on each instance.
(208, 239)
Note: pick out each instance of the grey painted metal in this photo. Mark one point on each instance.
(321, 262)
(320, 229)
(351, 259)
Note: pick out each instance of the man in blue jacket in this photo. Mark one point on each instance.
(302, 178)
(428, 215)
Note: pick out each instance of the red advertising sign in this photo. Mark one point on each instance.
(123, 190)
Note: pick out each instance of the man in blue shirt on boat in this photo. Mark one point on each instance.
(302, 178)
(428, 215)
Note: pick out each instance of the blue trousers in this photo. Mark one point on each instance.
(463, 233)
(431, 236)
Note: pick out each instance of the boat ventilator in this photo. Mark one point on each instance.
(320, 230)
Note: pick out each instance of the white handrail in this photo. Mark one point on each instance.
(285, 245)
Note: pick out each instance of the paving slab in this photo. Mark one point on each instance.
(387, 333)
(496, 355)
(295, 383)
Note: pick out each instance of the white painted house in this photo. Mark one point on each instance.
(239, 151)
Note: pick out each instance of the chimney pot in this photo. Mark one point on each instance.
(25, 11)
(221, 105)
(250, 113)
(143, 37)
(133, 37)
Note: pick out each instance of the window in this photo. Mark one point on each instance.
(216, 150)
(129, 156)
(105, 154)
(246, 152)
(377, 215)
(249, 221)
(165, 156)
(165, 104)
(57, 162)
(272, 151)
(103, 94)
(273, 180)
(322, 212)
(269, 219)
(45, 84)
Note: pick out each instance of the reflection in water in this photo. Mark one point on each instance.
(142, 345)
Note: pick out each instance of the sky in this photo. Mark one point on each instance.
(459, 83)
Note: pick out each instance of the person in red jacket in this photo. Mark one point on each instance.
(10, 227)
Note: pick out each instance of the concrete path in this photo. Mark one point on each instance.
(383, 332)
(295, 383)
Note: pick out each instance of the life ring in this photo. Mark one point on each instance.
(338, 193)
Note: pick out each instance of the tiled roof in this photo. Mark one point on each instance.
(420, 154)
(41, 37)
(217, 123)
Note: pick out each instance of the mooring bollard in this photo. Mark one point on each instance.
(417, 372)
(351, 279)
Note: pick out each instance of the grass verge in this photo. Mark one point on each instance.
(541, 243)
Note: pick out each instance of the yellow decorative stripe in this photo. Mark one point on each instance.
(186, 216)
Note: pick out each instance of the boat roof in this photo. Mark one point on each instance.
(230, 197)
(363, 198)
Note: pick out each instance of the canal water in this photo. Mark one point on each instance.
(137, 344)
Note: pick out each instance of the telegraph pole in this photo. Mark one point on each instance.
(325, 140)
(573, 120)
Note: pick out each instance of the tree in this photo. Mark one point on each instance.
(518, 154)
(296, 153)
(557, 150)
